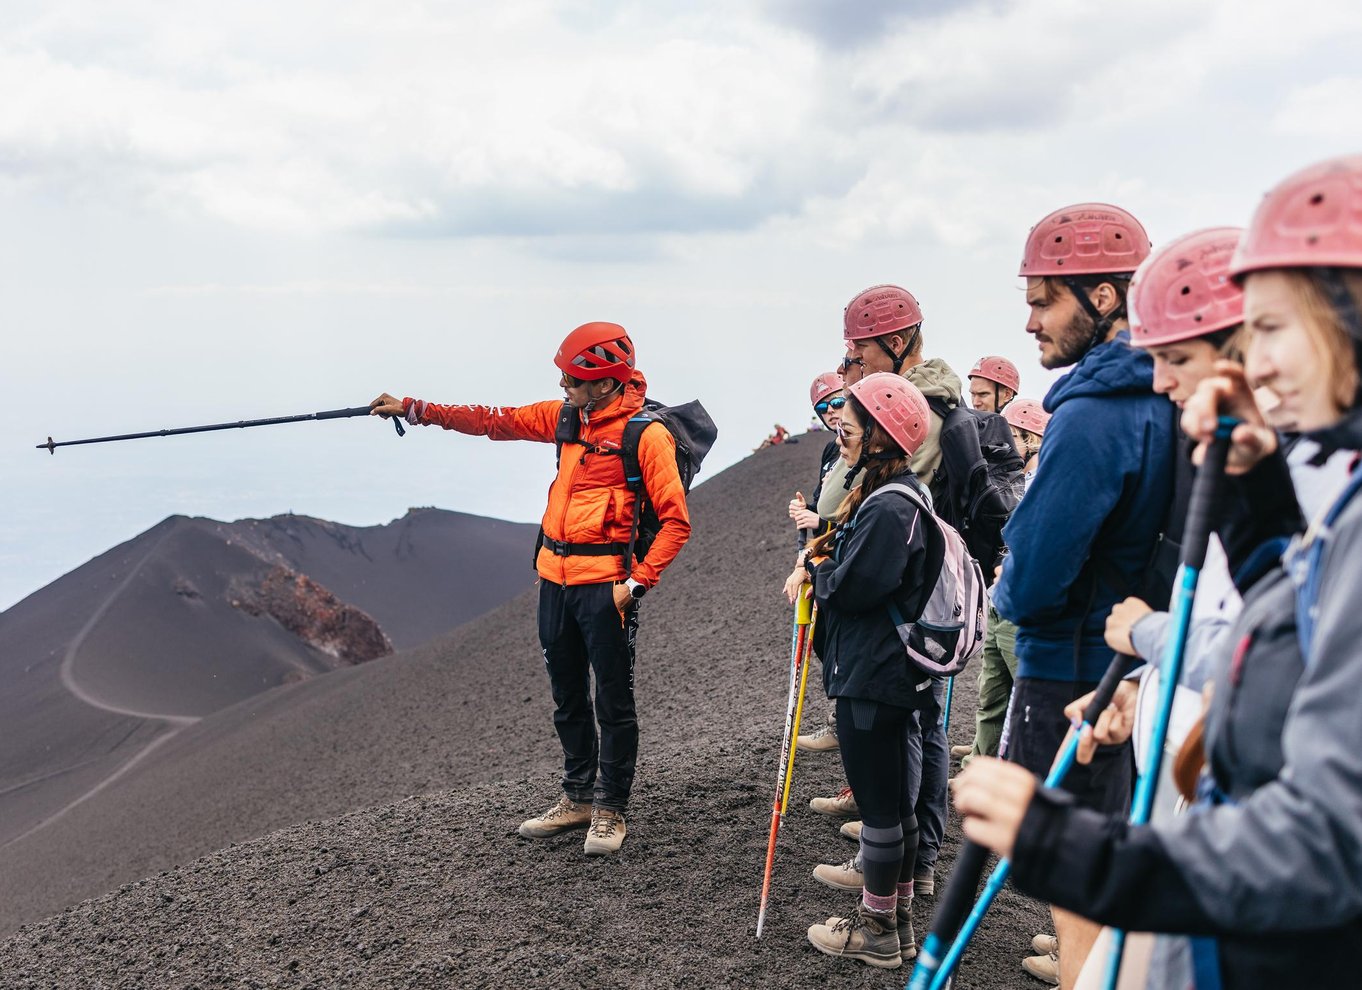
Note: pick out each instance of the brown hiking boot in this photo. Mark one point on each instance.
(867, 936)
(822, 741)
(924, 881)
(606, 834)
(1044, 968)
(562, 817)
(843, 876)
(959, 751)
(907, 938)
(851, 830)
(840, 805)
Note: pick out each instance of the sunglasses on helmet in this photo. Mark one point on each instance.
(836, 402)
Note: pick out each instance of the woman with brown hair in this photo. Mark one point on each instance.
(882, 552)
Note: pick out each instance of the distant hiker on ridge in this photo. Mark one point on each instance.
(590, 587)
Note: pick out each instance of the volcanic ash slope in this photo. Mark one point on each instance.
(437, 890)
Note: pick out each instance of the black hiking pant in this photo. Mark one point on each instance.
(873, 739)
(582, 634)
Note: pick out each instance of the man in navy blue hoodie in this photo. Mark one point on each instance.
(1086, 534)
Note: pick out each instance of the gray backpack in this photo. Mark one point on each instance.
(950, 632)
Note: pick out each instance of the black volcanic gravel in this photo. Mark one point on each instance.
(437, 890)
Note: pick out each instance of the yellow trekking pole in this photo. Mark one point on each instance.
(808, 616)
(804, 623)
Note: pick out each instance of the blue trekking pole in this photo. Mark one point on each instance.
(950, 689)
(1205, 490)
(933, 969)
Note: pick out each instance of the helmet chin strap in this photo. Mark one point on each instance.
(1101, 325)
(898, 359)
(591, 403)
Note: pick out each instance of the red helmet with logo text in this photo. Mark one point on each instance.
(998, 370)
(1184, 291)
(597, 350)
(1027, 414)
(879, 310)
(897, 406)
(824, 385)
(1085, 239)
(1312, 219)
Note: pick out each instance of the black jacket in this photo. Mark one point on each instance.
(886, 551)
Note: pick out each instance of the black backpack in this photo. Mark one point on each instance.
(979, 481)
(692, 429)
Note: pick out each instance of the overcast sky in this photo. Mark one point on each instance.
(217, 211)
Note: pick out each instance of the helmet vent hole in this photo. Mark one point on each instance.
(1197, 317)
(1118, 235)
(1316, 199)
(1186, 290)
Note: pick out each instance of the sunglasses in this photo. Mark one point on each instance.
(836, 402)
(844, 434)
(567, 381)
(848, 362)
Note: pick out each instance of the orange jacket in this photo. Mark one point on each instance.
(588, 500)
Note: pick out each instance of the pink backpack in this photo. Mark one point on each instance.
(950, 632)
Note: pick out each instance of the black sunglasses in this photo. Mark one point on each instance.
(836, 402)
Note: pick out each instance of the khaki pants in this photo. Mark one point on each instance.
(997, 669)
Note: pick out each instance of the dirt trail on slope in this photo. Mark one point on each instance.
(438, 890)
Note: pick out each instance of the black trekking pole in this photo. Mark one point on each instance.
(51, 445)
(951, 927)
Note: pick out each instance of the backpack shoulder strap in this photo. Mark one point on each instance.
(629, 442)
(567, 431)
(914, 495)
(1307, 573)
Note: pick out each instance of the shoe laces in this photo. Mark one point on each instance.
(843, 794)
(603, 824)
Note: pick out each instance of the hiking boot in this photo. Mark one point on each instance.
(1045, 944)
(844, 876)
(562, 817)
(868, 936)
(850, 830)
(959, 751)
(841, 805)
(1044, 968)
(907, 938)
(924, 881)
(606, 834)
(822, 741)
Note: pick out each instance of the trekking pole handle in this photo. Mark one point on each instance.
(1205, 494)
(1106, 689)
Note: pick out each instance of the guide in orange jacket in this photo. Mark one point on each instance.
(588, 601)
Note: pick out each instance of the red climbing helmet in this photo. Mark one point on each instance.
(1027, 414)
(878, 310)
(824, 385)
(998, 370)
(1310, 219)
(597, 350)
(897, 405)
(1085, 239)
(1184, 291)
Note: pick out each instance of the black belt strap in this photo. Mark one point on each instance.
(584, 549)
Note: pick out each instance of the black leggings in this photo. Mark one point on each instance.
(873, 739)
